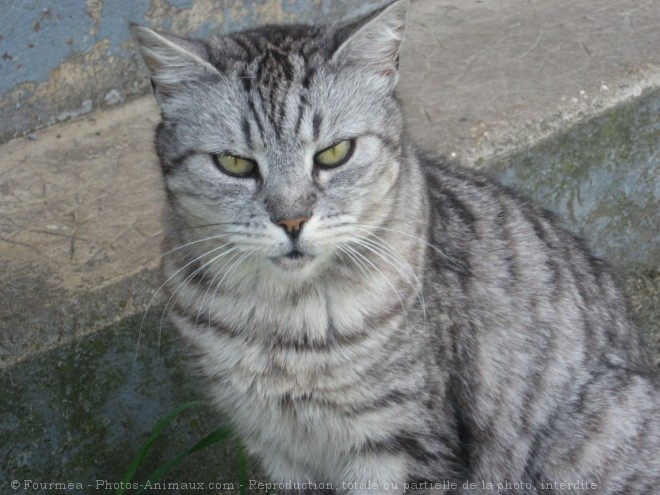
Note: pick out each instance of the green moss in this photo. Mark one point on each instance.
(80, 413)
(600, 177)
(643, 291)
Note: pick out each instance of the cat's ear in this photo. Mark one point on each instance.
(172, 61)
(375, 40)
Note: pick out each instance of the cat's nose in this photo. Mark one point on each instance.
(293, 227)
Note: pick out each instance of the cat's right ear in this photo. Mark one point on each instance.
(374, 41)
(172, 61)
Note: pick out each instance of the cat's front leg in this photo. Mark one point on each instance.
(373, 473)
(288, 477)
(385, 473)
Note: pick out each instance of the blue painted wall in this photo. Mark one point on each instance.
(63, 58)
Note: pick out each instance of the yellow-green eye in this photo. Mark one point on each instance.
(335, 155)
(235, 165)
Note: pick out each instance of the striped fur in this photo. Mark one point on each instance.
(426, 325)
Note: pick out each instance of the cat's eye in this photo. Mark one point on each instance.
(335, 155)
(235, 165)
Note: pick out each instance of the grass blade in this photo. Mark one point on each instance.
(155, 434)
(242, 467)
(217, 436)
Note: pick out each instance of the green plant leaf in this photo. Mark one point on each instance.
(242, 467)
(155, 434)
(217, 436)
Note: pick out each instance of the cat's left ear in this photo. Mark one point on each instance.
(375, 40)
(172, 61)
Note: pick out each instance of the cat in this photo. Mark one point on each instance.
(370, 318)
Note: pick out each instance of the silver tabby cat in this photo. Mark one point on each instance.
(369, 317)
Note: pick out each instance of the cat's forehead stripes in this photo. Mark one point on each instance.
(274, 77)
(275, 68)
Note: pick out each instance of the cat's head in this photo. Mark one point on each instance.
(283, 142)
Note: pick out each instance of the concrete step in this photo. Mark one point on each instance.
(482, 79)
(560, 99)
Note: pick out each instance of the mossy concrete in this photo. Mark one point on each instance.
(643, 292)
(481, 79)
(601, 177)
(81, 413)
(79, 229)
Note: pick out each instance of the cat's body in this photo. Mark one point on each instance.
(386, 318)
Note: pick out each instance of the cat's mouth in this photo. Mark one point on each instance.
(294, 254)
(293, 260)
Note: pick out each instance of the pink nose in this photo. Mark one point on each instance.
(293, 226)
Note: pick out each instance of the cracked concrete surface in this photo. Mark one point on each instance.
(81, 198)
(79, 220)
(80, 202)
(484, 78)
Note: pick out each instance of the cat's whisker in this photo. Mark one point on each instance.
(382, 249)
(392, 256)
(387, 280)
(196, 271)
(215, 237)
(217, 286)
(209, 263)
(370, 228)
(407, 234)
(231, 269)
(167, 312)
(146, 311)
(170, 303)
(375, 239)
(158, 236)
(348, 254)
(206, 239)
(374, 250)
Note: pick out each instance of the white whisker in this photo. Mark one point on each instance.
(420, 239)
(217, 286)
(386, 252)
(144, 316)
(210, 263)
(387, 280)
